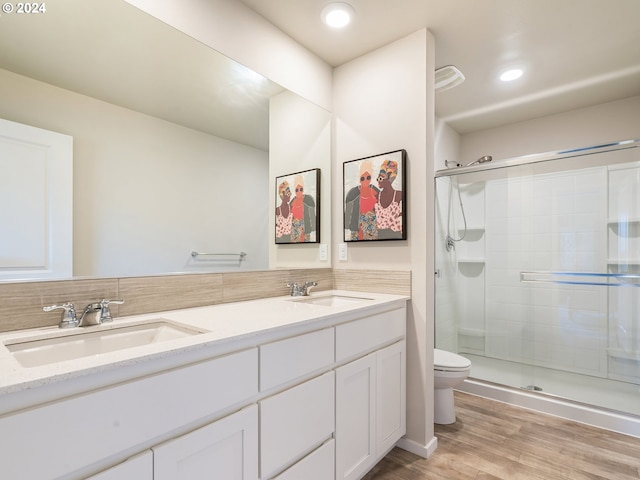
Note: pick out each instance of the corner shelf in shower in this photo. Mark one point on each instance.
(471, 332)
(471, 260)
(623, 261)
(624, 354)
(616, 221)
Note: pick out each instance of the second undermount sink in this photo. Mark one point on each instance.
(332, 300)
(58, 348)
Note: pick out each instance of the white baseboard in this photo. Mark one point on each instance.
(424, 451)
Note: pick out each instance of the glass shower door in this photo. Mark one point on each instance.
(539, 287)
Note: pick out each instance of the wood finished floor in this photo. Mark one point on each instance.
(491, 440)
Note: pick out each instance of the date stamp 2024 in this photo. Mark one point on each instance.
(21, 8)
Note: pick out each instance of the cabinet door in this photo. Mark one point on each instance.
(226, 449)
(355, 418)
(391, 396)
(139, 467)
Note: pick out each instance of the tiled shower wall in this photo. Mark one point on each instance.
(551, 222)
(21, 303)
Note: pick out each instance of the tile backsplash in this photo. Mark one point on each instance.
(21, 303)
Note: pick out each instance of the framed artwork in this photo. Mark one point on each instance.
(298, 207)
(374, 204)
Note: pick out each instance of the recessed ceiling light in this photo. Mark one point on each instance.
(337, 15)
(510, 75)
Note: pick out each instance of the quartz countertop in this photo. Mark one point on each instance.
(225, 328)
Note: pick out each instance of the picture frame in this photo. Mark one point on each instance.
(380, 214)
(297, 212)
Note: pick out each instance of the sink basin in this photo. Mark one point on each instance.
(332, 300)
(44, 351)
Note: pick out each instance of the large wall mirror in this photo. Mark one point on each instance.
(171, 139)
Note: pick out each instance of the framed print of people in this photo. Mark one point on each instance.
(374, 197)
(298, 207)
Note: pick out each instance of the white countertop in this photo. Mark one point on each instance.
(226, 327)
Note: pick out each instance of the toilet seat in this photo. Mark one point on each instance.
(449, 362)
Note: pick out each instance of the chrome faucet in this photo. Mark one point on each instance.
(301, 290)
(93, 314)
(69, 318)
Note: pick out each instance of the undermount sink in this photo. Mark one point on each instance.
(332, 300)
(53, 349)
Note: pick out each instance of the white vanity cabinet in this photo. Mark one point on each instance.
(321, 401)
(69, 436)
(225, 449)
(139, 467)
(370, 392)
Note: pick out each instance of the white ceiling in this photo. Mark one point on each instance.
(575, 53)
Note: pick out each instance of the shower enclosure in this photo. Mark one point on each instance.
(537, 273)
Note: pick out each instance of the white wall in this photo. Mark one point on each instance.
(147, 192)
(608, 122)
(238, 32)
(295, 146)
(383, 101)
(447, 145)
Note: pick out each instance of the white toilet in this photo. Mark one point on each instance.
(450, 370)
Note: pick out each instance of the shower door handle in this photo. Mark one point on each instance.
(582, 278)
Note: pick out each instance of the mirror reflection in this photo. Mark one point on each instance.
(170, 138)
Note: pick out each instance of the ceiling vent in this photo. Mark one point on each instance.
(448, 77)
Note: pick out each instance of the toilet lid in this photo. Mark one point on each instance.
(443, 360)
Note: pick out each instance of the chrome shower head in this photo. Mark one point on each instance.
(483, 159)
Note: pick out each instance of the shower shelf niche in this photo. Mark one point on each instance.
(472, 246)
(623, 261)
(471, 260)
(615, 221)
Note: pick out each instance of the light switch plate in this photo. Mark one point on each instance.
(323, 252)
(342, 252)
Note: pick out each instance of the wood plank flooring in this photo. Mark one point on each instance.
(491, 440)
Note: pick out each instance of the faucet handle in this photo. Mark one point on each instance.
(69, 318)
(295, 289)
(105, 312)
(308, 286)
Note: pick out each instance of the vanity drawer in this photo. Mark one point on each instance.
(367, 334)
(318, 465)
(296, 421)
(292, 358)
